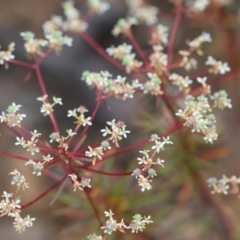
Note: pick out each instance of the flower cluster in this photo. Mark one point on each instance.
(33, 45)
(182, 82)
(124, 55)
(158, 59)
(55, 40)
(217, 66)
(6, 56)
(118, 87)
(19, 180)
(143, 12)
(73, 21)
(221, 100)
(62, 141)
(81, 120)
(159, 35)
(31, 144)
(198, 116)
(39, 165)
(47, 108)
(195, 45)
(123, 26)
(85, 182)
(221, 185)
(147, 161)
(198, 5)
(98, 6)
(11, 117)
(137, 224)
(116, 131)
(198, 112)
(11, 207)
(153, 86)
(94, 237)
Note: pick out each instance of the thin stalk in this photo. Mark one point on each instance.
(173, 37)
(49, 50)
(44, 92)
(101, 50)
(20, 63)
(136, 46)
(93, 205)
(105, 173)
(87, 127)
(16, 156)
(44, 193)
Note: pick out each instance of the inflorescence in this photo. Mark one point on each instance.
(157, 77)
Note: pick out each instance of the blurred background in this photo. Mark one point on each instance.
(180, 203)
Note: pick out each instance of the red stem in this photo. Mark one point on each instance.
(87, 127)
(177, 21)
(101, 50)
(92, 203)
(38, 62)
(88, 17)
(219, 79)
(44, 193)
(20, 63)
(140, 144)
(44, 92)
(103, 53)
(17, 156)
(137, 48)
(105, 173)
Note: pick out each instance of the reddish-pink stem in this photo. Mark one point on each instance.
(44, 193)
(30, 135)
(140, 144)
(93, 205)
(88, 17)
(101, 50)
(103, 53)
(219, 79)
(49, 50)
(105, 173)
(44, 92)
(173, 37)
(87, 127)
(23, 64)
(137, 48)
(16, 156)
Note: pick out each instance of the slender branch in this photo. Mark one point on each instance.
(105, 173)
(16, 156)
(87, 127)
(137, 47)
(177, 21)
(20, 63)
(194, 91)
(49, 50)
(101, 50)
(44, 193)
(88, 17)
(103, 53)
(44, 92)
(93, 205)
(140, 144)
